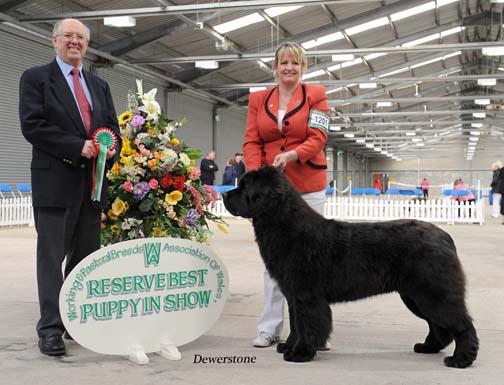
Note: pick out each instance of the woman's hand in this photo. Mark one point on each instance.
(282, 159)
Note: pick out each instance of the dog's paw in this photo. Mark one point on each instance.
(282, 347)
(304, 355)
(454, 362)
(426, 348)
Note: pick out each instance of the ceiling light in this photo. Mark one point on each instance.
(475, 133)
(444, 133)
(277, 11)
(207, 64)
(479, 114)
(239, 23)
(416, 140)
(411, 134)
(473, 138)
(477, 125)
(369, 145)
(487, 82)
(349, 135)
(334, 128)
(420, 144)
(384, 152)
(482, 101)
(493, 51)
(377, 149)
(119, 21)
(342, 57)
(360, 140)
(313, 74)
(402, 145)
(383, 104)
(367, 26)
(322, 40)
(254, 89)
(413, 11)
(366, 86)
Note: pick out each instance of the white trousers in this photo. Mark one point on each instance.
(272, 316)
(496, 205)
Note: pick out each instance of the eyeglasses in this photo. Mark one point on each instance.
(71, 36)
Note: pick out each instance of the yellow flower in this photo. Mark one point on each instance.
(190, 169)
(127, 161)
(126, 147)
(111, 215)
(193, 162)
(173, 198)
(125, 117)
(222, 228)
(116, 169)
(114, 229)
(119, 207)
(174, 142)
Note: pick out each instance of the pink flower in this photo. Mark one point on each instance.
(144, 151)
(153, 183)
(128, 186)
(195, 173)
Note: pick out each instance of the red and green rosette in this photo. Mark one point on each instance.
(104, 140)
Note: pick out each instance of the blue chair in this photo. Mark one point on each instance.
(5, 188)
(372, 191)
(358, 191)
(24, 188)
(407, 192)
(223, 188)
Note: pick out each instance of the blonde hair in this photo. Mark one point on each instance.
(497, 165)
(292, 49)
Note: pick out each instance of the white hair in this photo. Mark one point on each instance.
(497, 165)
(57, 28)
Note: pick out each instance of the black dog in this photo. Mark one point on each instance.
(318, 261)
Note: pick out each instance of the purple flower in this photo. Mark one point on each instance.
(140, 190)
(191, 216)
(137, 121)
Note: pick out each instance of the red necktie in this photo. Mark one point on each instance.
(84, 106)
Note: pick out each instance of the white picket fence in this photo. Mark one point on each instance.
(369, 209)
(19, 211)
(16, 211)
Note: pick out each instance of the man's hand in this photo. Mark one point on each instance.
(89, 150)
(111, 153)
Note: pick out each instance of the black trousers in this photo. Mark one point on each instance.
(72, 233)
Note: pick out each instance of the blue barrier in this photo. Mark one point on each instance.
(24, 187)
(223, 188)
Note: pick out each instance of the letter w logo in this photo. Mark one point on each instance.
(152, 253)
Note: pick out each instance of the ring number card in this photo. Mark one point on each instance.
(319, 119)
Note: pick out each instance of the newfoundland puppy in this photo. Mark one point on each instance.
(317, 262)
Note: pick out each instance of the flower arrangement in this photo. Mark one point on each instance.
(154, 187)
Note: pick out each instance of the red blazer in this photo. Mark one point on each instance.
(263, 140)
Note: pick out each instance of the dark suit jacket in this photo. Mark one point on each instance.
(51, 122)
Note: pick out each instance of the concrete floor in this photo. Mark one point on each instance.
(372, 339)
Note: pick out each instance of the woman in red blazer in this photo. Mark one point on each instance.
(287, 128)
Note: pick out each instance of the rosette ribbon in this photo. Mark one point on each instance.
(104, 140)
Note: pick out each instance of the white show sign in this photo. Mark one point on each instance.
(144, 295)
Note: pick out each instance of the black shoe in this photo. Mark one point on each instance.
(67, 336)
(52, 345)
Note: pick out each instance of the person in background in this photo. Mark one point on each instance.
(425, 188)
(496, 188)
(240, 165)
(60, 106)
(230, 177)
(377, 184)
(287, 128)
(208, 168)
(459, 185)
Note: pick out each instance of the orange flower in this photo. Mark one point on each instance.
(152, 164)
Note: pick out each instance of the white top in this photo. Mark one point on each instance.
(281, 114)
